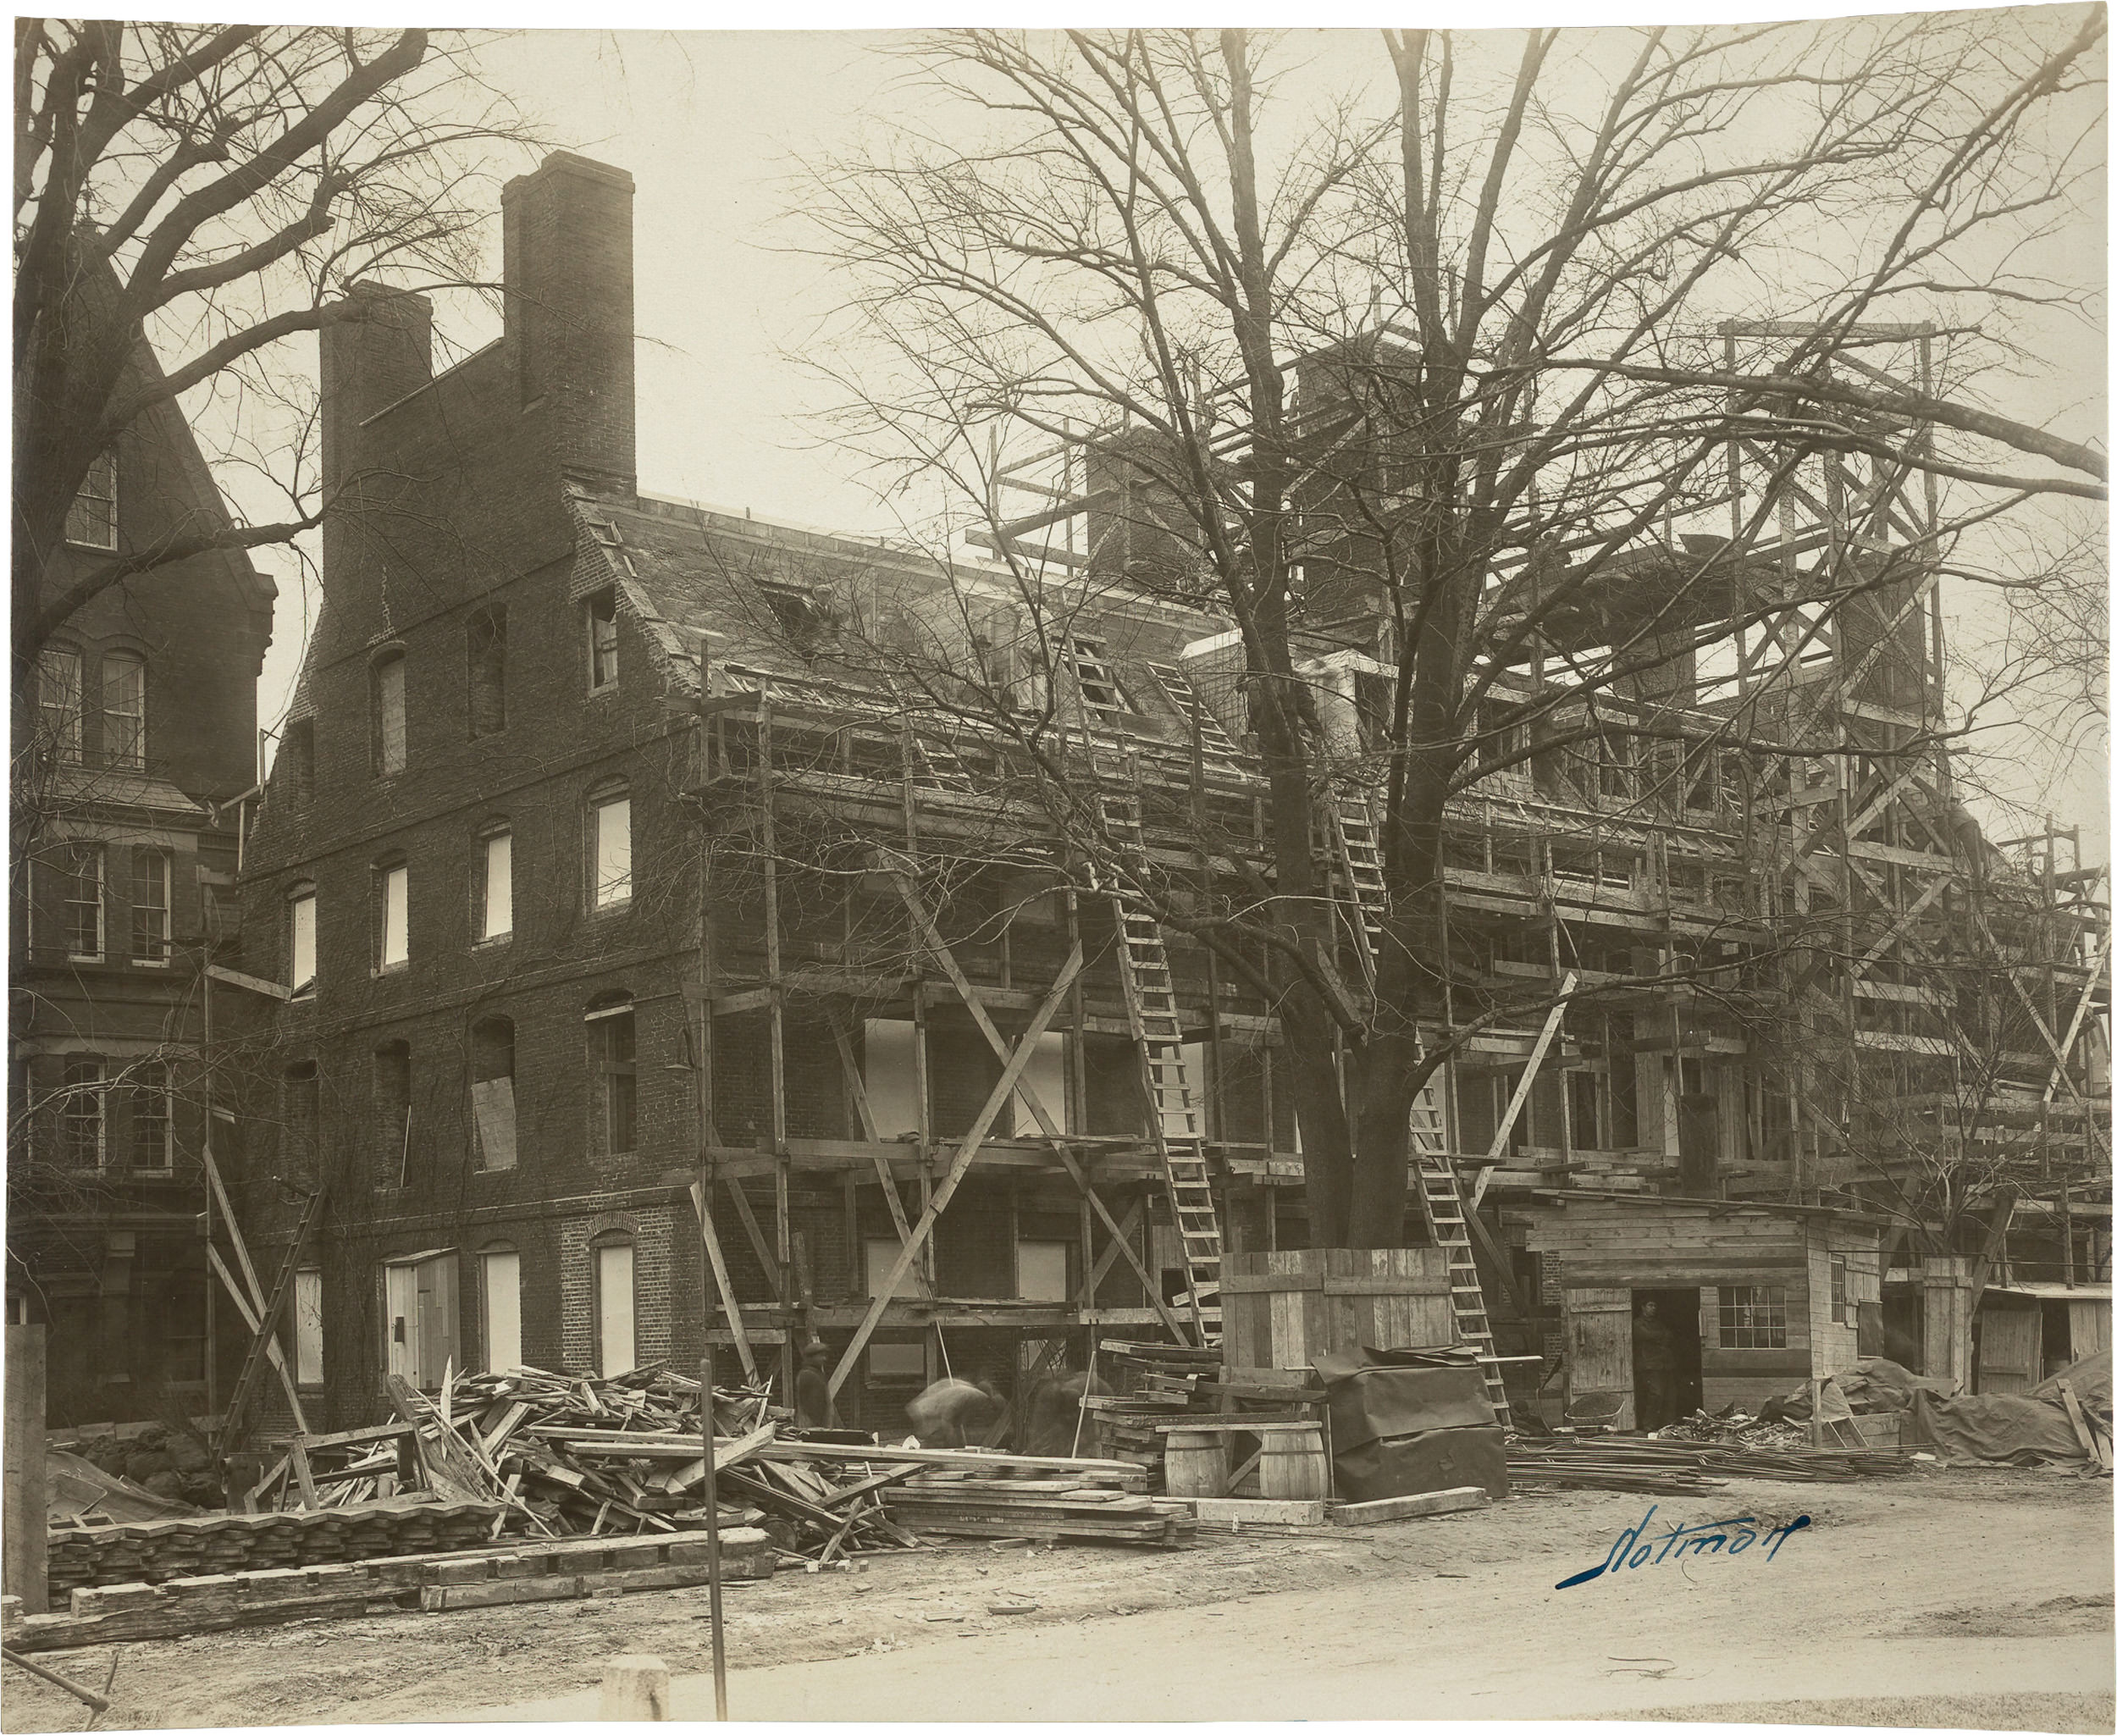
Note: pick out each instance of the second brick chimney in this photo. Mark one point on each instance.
(569, 308)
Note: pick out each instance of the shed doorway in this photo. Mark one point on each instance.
(1668, 1369)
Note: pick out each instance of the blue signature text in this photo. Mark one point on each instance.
(1634, 1548)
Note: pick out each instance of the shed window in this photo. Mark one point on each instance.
(124, 710)
(149, 907)
(487, 648)
(1839, 1289)
(1752, 1317)
(91, 522)
(386, 695)
(493, 1092)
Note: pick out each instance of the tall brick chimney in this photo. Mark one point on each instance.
(381, 351)
(569, 276)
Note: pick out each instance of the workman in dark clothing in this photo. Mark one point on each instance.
(813, 1407)
(1654, 1365)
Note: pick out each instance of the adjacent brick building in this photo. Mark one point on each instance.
(134, 733)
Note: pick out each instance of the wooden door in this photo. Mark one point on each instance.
(2089, 1321)
(1599, 1356)
(2010, 1349)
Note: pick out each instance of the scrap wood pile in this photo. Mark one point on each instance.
(572, 1456)
(1666, 1467)
(585, 1456)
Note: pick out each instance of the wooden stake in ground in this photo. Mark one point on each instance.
(635, 1690)
(22, 1525)
(712, 1534)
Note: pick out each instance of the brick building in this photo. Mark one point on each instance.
(135, 733)
(603, 854)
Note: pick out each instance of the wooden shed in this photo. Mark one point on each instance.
(1672, 1305)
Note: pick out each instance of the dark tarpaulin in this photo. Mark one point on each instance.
(1404, 1422)
(1995, 1427)
(2089, 1378)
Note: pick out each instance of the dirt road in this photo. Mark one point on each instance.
(1949, 1598)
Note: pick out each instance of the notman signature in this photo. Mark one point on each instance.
(1635, 1549)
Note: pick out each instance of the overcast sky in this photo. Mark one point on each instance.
(712, 124)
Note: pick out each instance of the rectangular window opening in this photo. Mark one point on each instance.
(602, 641)
(149, 907)
(496, 896)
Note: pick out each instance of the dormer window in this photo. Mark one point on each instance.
(803, 616)
(91, 522)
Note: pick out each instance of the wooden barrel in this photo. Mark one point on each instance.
(1293, 1467)
(1195, 1464)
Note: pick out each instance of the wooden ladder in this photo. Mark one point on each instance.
(1359, 850)
(268, 1322)
(1177, 1117)
(1214, 742)
(1445, 1208)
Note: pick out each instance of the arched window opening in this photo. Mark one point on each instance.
(486, 648)
(500, 1297)
(124, 710)
(386, 705)
(613, 1077)
(612, 1275)
(493, 1093)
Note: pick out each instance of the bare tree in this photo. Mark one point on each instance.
(197, 194)
(1527, 374)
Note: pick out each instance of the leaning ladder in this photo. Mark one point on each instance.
(1359, 848)
(1449, 1213)
(268, 1322)
(1178, 1121)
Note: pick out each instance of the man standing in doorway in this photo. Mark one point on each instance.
(1653, 1364)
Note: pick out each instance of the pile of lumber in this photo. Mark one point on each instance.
(1682, 1467)
(149, 1551)
(1164, 1384)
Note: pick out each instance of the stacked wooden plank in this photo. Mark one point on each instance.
(478, 1578)
(1680, 1467)
(152, 1550)
(1164, 1382)
(972, 1503)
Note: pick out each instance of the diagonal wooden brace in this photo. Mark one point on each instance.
(1149, 1284)
(966, 1153)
